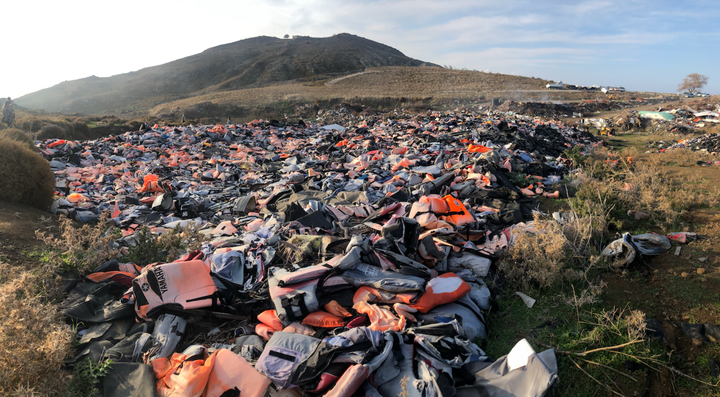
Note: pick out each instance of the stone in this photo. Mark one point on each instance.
(701, 270)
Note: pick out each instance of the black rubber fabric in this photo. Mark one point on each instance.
(315, 219)
(123, 350)
(130, 380)
(97, 303)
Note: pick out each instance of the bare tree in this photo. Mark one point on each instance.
(693, 82)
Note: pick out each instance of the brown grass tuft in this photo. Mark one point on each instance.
(17, 135)
(25, 177)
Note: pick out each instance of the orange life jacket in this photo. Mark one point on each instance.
(429, 208)
(265, 331)
(457, 214)
(441, 290)
(182, 375)
(189, 375)
(231, 372)
(269, 317)
(323, 319)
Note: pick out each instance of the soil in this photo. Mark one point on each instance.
(17, 231)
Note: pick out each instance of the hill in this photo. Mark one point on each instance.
(379, 88)
(249, 63)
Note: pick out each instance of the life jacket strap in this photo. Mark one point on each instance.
(297, 301)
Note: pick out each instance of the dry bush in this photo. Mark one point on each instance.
(25, 177)
(168, 246)
(181, 240)
(554, 252)
(33, 339)
(52, 131)
(636, 324)
(537, 258)
(17, 135)
(616, 325)
(80, 248)
(587, 296)
(28, 123)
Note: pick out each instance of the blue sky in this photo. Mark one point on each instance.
(639, 44)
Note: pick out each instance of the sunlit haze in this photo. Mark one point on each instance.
(642, 45)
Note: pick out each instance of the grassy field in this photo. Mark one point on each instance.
(595, 305)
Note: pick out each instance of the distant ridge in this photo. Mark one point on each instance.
(249, 63)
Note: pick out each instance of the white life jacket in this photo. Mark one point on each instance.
(184, 285)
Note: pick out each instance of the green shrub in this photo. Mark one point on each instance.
(28, 123)
(147, 248)
(25, 177)
(86, 378)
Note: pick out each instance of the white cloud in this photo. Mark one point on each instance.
(74, 38)
(499, 59)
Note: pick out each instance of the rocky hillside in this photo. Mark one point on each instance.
(254, 62)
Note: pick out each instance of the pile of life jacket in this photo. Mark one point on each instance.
(360, 322)
(335, 263)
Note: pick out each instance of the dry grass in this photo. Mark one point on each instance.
(646, 186)
(554, 253)
(17, 135)
(79, 248)
(413, 85)
(680, 157)
(33, 340)
(181, 240)
(25, 177)
(537, 258)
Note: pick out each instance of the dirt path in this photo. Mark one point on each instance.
(333, 81)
